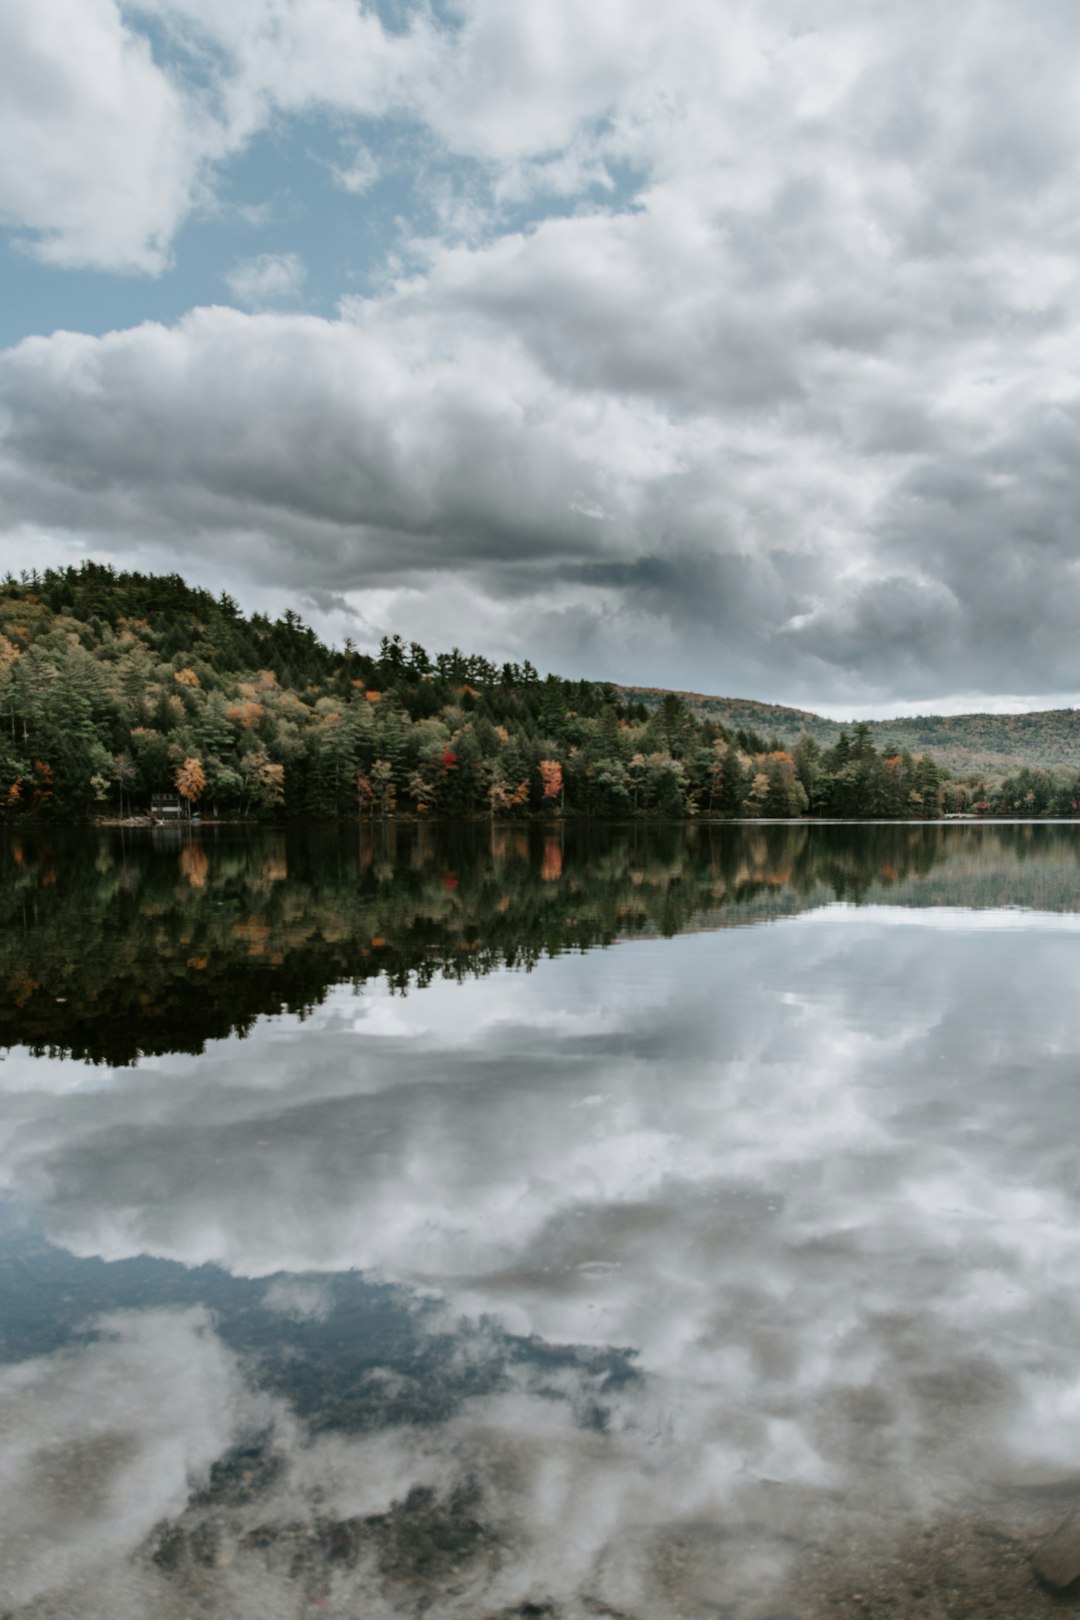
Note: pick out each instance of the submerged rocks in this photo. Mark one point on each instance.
(1057, 1559)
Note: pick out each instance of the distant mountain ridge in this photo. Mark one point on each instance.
(965, 743)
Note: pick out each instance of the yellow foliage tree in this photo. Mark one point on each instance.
(264, 778)
(504, 796)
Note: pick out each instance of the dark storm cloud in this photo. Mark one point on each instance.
(305, 429)
(697, 592)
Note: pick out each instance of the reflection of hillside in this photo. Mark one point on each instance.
(113, 946)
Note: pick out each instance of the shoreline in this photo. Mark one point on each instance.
(136, 823)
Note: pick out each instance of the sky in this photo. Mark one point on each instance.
(727, 345)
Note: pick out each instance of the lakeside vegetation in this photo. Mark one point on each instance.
(118, 686)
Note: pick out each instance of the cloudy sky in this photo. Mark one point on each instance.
(722, 345)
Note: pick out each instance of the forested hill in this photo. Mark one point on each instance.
(992, 744)
(115, 687)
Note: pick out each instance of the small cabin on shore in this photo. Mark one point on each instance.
(167, 807)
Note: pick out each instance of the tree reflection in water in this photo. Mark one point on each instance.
(114, 945)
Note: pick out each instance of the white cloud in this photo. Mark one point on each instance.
(267, 279)
(98, 152)
(107, 144)
(358, 175)
(106, 148)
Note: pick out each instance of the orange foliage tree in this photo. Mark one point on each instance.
(190, 780)
(246, 714)
(43, 783)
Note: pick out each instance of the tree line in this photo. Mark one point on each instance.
(115, 686)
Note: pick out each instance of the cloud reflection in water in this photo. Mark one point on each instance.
(820, 1176)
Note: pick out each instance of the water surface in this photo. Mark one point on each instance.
(670, 1222)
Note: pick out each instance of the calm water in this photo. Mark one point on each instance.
(609, 1222)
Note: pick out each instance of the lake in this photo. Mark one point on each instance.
(571, 1221)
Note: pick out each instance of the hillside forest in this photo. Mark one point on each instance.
(115, 686)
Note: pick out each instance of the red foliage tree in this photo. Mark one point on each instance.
(552, 777)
